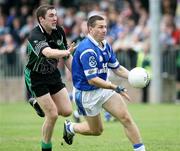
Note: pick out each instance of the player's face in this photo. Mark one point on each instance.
(50, 20)
(99, 30)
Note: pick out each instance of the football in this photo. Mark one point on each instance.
(138, 77)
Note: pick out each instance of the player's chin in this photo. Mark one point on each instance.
(103, 37)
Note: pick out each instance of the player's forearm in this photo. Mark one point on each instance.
(68, 63)
(98, 82)
(55, 53)
(121, 72)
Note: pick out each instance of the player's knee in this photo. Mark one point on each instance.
(97, 132)
(126, 120)
(53, 116)
(67, 113)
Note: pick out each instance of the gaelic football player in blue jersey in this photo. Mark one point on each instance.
(92, 59)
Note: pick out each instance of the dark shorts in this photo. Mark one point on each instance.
(40, 84)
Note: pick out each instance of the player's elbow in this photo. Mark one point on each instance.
(91, 82)
(46, 52)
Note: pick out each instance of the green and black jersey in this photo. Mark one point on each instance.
(37, 41)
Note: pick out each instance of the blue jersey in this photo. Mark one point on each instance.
(90, 61)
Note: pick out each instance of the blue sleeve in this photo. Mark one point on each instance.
(88, 60)
(113, 62)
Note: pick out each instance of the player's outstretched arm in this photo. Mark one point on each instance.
(68, 61)
(55, 53)
(121, 72)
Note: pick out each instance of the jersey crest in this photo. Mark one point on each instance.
(59, 42)
(92, 61)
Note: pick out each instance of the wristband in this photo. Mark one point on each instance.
(119, 89)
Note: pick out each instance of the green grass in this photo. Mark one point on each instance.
(20, 130)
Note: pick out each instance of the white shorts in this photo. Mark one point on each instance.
(90, 103)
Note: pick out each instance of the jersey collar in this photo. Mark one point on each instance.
(42, 30)
(96, 43)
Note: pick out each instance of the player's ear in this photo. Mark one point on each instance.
(41, 19)
(90, 28)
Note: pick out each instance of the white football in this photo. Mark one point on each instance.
(138, 77)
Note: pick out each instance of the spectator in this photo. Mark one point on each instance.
(8, 49)
(15, 30)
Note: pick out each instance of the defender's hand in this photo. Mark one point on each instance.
(71, 47)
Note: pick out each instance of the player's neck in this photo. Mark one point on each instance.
(48, 30)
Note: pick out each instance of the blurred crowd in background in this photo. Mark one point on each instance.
(128, 29)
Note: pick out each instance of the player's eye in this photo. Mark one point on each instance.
(51, 15)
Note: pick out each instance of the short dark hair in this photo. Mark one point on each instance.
(42, 10)
(92, 20)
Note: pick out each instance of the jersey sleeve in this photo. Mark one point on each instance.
(37, 42)
(113, 62)
(89, 63)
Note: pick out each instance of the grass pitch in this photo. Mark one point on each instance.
(20, 130)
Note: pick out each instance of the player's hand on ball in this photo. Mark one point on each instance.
(121, 90)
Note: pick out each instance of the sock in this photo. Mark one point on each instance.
(46, 147)
(76, 114)
(139, 147)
